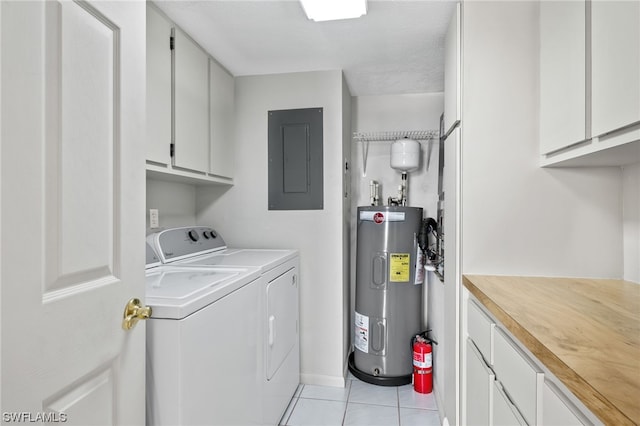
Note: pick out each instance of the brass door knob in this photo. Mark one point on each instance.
(134, 312)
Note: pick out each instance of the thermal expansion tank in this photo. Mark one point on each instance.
(389, 277)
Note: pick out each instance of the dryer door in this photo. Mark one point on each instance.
(282, 320)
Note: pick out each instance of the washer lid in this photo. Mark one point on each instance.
(262, 258)
(174, 292)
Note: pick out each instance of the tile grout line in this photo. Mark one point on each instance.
(297, 399)
(346, 406)
(398, 399)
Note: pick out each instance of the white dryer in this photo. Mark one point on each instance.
(278, 351)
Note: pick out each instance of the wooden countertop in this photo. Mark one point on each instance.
(585, 331)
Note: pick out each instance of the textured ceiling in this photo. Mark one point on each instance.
(398, 47)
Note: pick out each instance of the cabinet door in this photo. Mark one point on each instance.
(191, 103)
(479, 392)
(158, 87)
(504, 412)
(221, 120)
(562, 74)
(452, 72)
(615, 59)
(557, 411)
(480, 329)
(520, 377)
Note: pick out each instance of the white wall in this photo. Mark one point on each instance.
(241, 212)
(176, 203)
(631, 221)
(518, 218)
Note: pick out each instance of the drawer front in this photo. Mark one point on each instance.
(479, 327)
(557, 410)
(479, 393)
(521, 379)
(504, 412)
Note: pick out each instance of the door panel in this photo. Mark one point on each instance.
(191, 103)
(479, 394)
(615, 30)
(79, 116)
(72, 195)
(91, 398)
(158, 87)
(282, 319)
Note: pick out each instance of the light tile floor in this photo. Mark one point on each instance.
(360, 403)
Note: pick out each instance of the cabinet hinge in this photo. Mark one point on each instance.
(172, 150)
(172, 43)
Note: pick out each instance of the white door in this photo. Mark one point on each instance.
(72, 223)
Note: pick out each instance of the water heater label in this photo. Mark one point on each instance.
(400, 267)
(380, 217)
(362, 333)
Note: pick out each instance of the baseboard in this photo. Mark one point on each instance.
(439, 401)
(322, 380)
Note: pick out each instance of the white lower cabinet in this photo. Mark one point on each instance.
(507, 386)
(480, 382)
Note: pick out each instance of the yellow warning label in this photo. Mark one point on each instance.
(399, 270)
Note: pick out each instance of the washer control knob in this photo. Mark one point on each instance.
(193, 235)
(213, 234)
(206, 236)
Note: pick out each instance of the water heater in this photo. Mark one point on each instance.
(389, 277)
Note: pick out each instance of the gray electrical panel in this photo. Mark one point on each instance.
(295, 159)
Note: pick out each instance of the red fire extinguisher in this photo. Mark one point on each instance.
(422, 365)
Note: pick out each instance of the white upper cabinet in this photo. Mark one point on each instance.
(221, 120)
(562, 74)
(589, 83)
(158, 88)
(452, 73)
(190, 108)
(191, 103)
(615, 65)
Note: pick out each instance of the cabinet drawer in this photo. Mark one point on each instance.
(504, 412)
(479, 327)
(479, 395)
(521, 379)
(557, 410)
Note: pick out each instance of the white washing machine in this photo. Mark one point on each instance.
(201, 316)
(275, 344)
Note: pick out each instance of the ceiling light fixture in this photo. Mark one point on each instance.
(332, 10)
